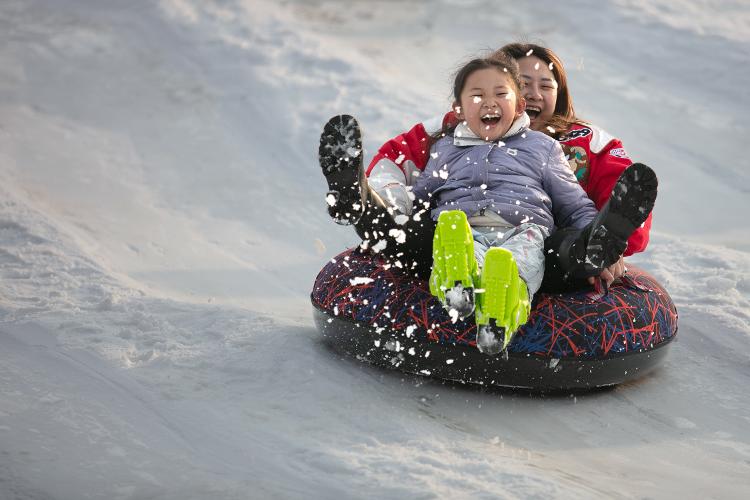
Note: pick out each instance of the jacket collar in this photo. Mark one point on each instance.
(463, 136)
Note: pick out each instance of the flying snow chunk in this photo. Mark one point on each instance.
(353, 152)
(400, 159)
(398, 234)
(453, 314)
(443, 174)
(477, 99)
(331, 200)
(393, 346)
(410, 329)
(360, 280)
(379, 246)
(401, 219)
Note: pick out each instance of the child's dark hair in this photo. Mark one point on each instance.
(564, 115)
(498, 60)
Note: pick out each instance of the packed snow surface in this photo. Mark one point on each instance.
(162, 219)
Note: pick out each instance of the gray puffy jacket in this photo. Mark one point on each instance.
(523, 178)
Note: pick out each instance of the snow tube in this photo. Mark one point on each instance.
(372, 310)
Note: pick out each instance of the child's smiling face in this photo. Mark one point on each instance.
(489, 103)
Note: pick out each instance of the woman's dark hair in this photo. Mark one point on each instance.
(500, 61)
(564, 115)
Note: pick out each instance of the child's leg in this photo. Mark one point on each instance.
(511, 274)
(526, 243)
(630, 204)
(557, 278)
(454, 268)
(407, 245)
(351, 202)
(587, 252)
(340, 157)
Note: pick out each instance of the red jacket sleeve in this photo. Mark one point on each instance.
(413, 145)
(605, 168)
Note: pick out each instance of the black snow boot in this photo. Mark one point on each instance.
(604, 240)
(340, 156)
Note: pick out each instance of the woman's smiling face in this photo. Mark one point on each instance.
(539, 90)
(489, 103)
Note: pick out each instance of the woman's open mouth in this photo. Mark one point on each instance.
(533, 111)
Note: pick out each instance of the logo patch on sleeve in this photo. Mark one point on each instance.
(578, 161)
(618, 152)
(575, 134)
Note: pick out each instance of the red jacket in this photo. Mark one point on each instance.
(596, 158)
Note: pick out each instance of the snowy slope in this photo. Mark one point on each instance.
(162, 221)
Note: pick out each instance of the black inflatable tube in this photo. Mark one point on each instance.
(464, 364)
(579, 340)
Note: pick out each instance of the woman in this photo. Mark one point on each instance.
(381, 209)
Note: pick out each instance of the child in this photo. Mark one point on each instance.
(499, 189)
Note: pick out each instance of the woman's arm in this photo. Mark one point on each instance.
(399, 162)
(396, 165)
(607, 159)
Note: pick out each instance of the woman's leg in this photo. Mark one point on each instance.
(350, 202)
(572, 255)
(557, 278)
(408, 246)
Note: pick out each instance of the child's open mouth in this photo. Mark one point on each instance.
(533, 111)
(491, 119)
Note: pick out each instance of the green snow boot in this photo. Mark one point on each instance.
(502, 302)
(454, 267)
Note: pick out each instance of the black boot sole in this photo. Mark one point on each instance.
(630, 204)
(340, 156)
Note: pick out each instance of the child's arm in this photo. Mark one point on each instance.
(432, 177)
(570, 204)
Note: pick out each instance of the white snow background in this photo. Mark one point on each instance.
(162, 219)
